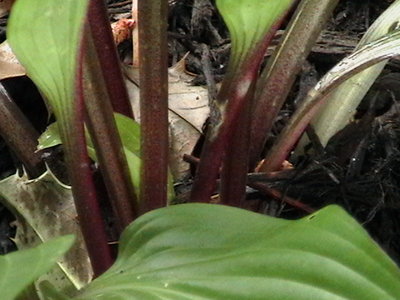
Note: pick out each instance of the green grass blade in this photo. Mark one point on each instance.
(342, 103)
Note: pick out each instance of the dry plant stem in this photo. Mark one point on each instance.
(19, 135)
(280, 73)
(231, 102)
(108, 145)
(135, 35)
(83, 188)
(153, 72)
(107, 54)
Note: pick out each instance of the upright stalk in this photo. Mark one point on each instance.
(235, 163)
(19, 135)
(231, 102)
(83, 187)
(280, 73)
(153, 72)
(104, 43)
(104, 133)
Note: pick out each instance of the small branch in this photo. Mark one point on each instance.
(19, 134)
(153, 70)
(104, 133)
(107, 54)
(262, 187)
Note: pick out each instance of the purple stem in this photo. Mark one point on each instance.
(108, 57)
(153, 72)
(235, 163)
(83, 187)
(233, 94)
(105, 137)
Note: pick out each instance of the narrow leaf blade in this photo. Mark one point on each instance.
(342, 103)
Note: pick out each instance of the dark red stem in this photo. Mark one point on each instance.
(106, 140)
(235, 163)
(108, 58)
(83, 188)
(153, 72)
(233, 94)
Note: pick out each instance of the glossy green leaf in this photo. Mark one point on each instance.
(248, 21)
(47, 50)
(21, 268)
(200, 251)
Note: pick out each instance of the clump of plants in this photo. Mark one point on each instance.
(187, 251)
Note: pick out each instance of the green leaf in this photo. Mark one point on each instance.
(342, 103)
(49, 138)
(367, 56)
(200, 251)
(248, 22)
(21, 268)
(48, 50)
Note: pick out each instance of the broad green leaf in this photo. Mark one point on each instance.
(342, 103)
(200, 251)
(45, 36)
(21, 268)
(248, 22)
(45, 209)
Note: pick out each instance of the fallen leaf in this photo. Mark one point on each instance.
(9, 65)
(122, 30)
(44, 209)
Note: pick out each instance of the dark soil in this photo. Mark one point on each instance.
(359, 169)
